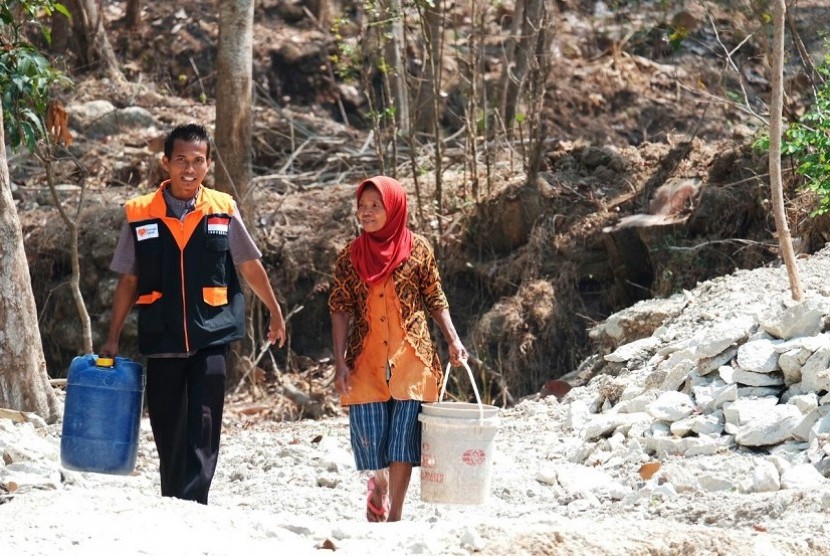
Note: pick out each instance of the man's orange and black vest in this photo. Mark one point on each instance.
(189, 296)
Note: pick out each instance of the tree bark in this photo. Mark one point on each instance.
(427, 94)
(234, 127)
(24, 382)
(234, 123)
(60, 34)
(394, 60)
(520, 49)
(94, 46)
(779, 10)
(133, 14)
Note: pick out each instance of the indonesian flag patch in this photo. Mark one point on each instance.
(218, 225)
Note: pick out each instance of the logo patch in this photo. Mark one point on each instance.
(147, 231)
(218, 225)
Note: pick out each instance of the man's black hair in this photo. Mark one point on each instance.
(191, 133)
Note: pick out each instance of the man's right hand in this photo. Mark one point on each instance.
(109, 349)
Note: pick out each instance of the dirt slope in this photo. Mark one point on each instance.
(640, 120)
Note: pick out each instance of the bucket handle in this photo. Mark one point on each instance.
(472, 381)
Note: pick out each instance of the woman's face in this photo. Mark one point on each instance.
(370, 210)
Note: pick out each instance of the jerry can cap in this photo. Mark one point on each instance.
(105, 362)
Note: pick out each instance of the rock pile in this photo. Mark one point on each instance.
(735, 365)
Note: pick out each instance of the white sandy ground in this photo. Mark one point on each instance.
(278, 492)
(291, 488)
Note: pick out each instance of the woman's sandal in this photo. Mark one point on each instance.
(373, 513)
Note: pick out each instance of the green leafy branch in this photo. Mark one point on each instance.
(26, 76)
(807, 141)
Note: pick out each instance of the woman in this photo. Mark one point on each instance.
(386, 282)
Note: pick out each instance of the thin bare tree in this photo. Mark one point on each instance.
(72, 222)
(779, 11)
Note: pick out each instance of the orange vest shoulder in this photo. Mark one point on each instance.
(138, 208)
(152, 205)
(216, 201)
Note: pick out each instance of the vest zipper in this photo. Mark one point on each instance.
(184, 297)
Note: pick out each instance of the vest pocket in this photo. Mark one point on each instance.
(148, 298)
(217, 243)
(215, 296)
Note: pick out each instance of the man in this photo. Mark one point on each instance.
(178, 257)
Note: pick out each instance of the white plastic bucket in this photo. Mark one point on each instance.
(457, 445)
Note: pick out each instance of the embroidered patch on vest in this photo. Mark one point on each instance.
(147, 231)
(218, 225)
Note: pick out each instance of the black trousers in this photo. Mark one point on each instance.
(185, 398)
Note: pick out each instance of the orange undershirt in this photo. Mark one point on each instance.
(385, 344)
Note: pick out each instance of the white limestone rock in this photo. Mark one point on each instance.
(671, 406)
(638, 349)
(758, 356)
(639, 403)
(710, 364)
(776, 424)
(677, 368)
(803, 477)
(665, 446)
(815, 374)
(806, 403)
(607, 423)
(802, 319)
(714, 340)
(752, 378)
(743, 411)
(579, 479)
(791, 363)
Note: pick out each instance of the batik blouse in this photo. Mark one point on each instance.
(414, 291)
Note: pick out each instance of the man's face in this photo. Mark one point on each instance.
(187, 167)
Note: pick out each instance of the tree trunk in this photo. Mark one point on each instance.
(94, 47)
(133, 14)
(234, 124)
(427, 103)
(60, 34)
(234, 66)
(779, 10)
(394, 60)
(24, 382)
(521, 47)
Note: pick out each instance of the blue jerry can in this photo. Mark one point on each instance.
(102, 414)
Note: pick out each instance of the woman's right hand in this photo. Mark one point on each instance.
(342, 378)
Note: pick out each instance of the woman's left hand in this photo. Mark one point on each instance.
(458, 354)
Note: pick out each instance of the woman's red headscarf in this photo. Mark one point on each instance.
(376, 254)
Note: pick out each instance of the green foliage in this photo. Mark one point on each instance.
(26, 76)
(347, 58)
(808, 142)
(676, 37)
